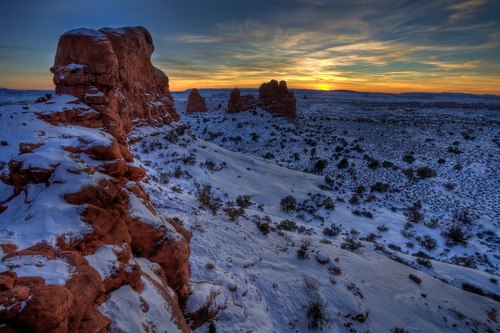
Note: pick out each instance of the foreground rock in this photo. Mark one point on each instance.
(89, 252)
(238, 103)
(276, 99)
(111, 71)
(196, 103)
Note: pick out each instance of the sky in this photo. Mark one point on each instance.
(363, 45)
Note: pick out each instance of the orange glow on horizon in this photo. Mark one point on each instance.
(473, 85)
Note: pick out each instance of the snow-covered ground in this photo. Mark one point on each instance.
(382, 153)
(261, 267)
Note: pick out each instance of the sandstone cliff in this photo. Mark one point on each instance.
(84, 240)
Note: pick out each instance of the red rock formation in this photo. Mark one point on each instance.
(276, 99)
(111, 71)
(196, 103)
(238, 103)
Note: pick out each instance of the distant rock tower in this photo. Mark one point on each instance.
(238, 103)
(196, 103)
(276, 99)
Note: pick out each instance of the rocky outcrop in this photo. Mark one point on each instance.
(276, 99)
(238, 103)
(111, 71)
(88, 210)
(196, 103)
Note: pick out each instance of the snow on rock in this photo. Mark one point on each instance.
(104, 260)
(147, 311)
(54, 271)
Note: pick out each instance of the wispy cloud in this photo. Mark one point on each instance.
(465, 10)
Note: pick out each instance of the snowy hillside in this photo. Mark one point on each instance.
(429, 175)
(267, 270)
(277, 245)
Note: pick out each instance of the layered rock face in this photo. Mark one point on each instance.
(111, 71)
(196, 103)
(89, 240)
(276, 99)
(238, 103)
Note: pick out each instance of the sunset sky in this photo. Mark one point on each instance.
(364, 45)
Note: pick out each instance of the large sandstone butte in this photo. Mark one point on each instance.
(276, 99)
(111, 71)
(238, 103)
(196, 103)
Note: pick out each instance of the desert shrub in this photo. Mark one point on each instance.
(394, 247)
(428, 242)
(177, 173)
(373, 164)
(351, 244)
(424, 262)
(263, 224)
(409, 158)
(449, 186)
(343, 164)
(205, 197)
(303, 251)
(333, 230)
(320, 165)
(315, 307)
(233, 212)
(383, 228)
(329, 204)
(354, 200)
(287, 225)
(441, 161)
(413, 213)
(288, 204)
(458, 166)
(425, 172)
(316, 312)
(268, 156)
(329, 180)
(462, 216)
(464, 261)
(456, 234)
(244, 201)
(380, 187)
(397, 329)
(472, 288)
(409, 173)
(387, 164)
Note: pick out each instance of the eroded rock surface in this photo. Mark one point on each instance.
(276, 99)
(111, 71)
(82, 231)
(196, 103)
(238, 103)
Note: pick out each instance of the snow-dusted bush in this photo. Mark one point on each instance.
(288, 204)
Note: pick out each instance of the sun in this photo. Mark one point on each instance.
(323, 86)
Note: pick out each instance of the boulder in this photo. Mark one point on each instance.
(196, 103)
(276, 99)
(238, 103)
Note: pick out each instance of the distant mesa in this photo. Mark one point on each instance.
(111, 71)
(238, 103)
(276, 99)
(196, 103)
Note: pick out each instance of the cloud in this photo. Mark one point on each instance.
(465, 10)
